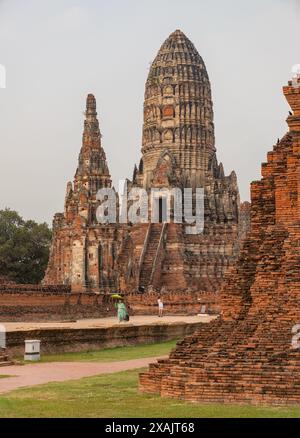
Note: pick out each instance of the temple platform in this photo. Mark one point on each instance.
(85, 334)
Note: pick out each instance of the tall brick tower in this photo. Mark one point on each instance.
(251, 354)
(178, 150)
(178, 113)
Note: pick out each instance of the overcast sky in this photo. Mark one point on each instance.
(57, 51)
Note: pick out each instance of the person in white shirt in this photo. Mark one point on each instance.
(160, 306)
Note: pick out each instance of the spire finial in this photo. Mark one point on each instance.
(91, 106)
(292, 95)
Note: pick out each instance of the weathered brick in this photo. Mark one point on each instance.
(246, 356)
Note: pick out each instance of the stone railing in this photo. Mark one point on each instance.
(142, 256)
(155, 273)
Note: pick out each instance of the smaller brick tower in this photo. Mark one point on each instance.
(92, 172)
(78, 256)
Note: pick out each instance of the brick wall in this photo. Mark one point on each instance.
(185, 303)
(59, 306)
(39, 306)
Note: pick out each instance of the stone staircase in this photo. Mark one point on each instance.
(4, 358)
(173, 271)
(147, 262)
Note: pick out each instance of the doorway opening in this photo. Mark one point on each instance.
(162, 209)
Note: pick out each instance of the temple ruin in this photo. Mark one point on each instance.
(251, 353)
(178, 151)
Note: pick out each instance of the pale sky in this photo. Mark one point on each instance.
(57, 51)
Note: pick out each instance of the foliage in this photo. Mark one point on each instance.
(24, 248)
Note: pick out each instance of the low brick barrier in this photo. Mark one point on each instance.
(58, 340)
(175, 303)
(60, 305)
(41, 306)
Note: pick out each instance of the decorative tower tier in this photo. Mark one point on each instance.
(92, 172)
(178, 113)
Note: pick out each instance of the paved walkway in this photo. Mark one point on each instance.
(37, 374)
(106, 322)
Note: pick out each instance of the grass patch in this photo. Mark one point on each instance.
(112, 354)
(114, 396)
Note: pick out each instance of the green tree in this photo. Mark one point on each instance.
(24, 247)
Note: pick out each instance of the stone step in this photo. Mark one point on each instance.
(153, 242)
(5, 360)
(6, 363)
(3, 355)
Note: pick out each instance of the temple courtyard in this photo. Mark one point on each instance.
(138, 320)
(103, 382)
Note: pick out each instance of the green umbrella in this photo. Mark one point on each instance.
(117, 297)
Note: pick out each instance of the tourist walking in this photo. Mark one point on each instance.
(160, 306)
(122, 311)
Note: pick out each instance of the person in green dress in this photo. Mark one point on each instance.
(122, 311)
